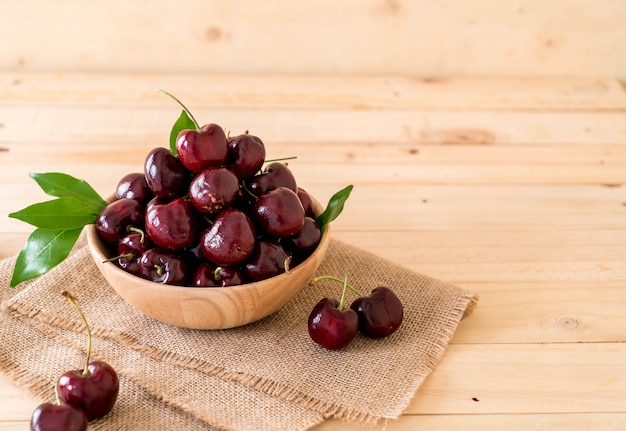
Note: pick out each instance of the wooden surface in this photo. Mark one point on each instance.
(427, 38)
(512, 187)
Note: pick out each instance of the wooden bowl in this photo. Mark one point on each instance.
(207, 307)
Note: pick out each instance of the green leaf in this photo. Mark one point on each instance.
(58, 214)
(66, 186)
(43, 251)
(334, 207)
(184, 122)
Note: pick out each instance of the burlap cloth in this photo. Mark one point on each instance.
(266, 375)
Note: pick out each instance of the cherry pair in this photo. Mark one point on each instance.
(82, 396)
(333, 326)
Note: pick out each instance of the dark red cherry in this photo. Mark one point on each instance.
(134, 186)
(380, 313)
(331, 326)
(58, 417)
(172, 225)
(246, 155)
(166, 176)
(279, 212)
(268, 259)
(129, 251)
(274, 175)
(302, 244)
(162, 266)
(95, 392)
(213, 189)
(307, 203)
(198, 150)
(113, 221)
(230, 239)
(210, 275)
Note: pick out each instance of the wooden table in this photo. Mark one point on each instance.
(514, 188)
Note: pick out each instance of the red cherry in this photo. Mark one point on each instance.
(172, 225)
(93, 389)
(200, 149)
(279, 212)
(58, 417)
(113, 221)
(230, 240)
(330, 325)
(380, 314)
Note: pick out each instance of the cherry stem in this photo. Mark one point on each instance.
(118, 257)
(216, 274)
(287, 263)
(343, 293)
(167, 93)
(139, 231)
(159, 270)
(57, 399)
(281, 159)
(74, 302)
(330, 277)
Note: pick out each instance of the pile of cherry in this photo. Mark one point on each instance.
(210, 215)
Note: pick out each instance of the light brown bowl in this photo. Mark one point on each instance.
(207, 307)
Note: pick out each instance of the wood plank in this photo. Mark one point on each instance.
(525, 378)
(438, 38)
(103, 125)
(510, 422)
(311, 92)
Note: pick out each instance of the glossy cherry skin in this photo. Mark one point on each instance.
(380, 314)
(134, 186)
(213, 189)
(246, 155)
(166, 176)
(305, 241)
(198, 150)
(210, 275)
(172, 225)
(330, 327)
(58, 417)
(95, 393)
(162, 266)
(274, 175)
(130, 248)
(307, 202)
(113, 221)
(230, 240)
(279, 212)
(268, 259)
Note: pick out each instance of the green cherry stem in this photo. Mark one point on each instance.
(74, 302)
(167, 93)
(137, 230)
(281, 159)
(343, 293)
(330, 277)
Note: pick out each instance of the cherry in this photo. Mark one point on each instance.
(274, 175)
(58, 417)
(130, 249)
(166, 176)
(162, 266)
(380, 313)
(306, 239)
(230, 239)
(95, 388)
(307, 202)
(331, 325)
(173, 225)
(279, 212)
(213, 189)
(134, 186)
(199, 149)
(268, 259)
(116, 217)
(246, 155)
(209, 275)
